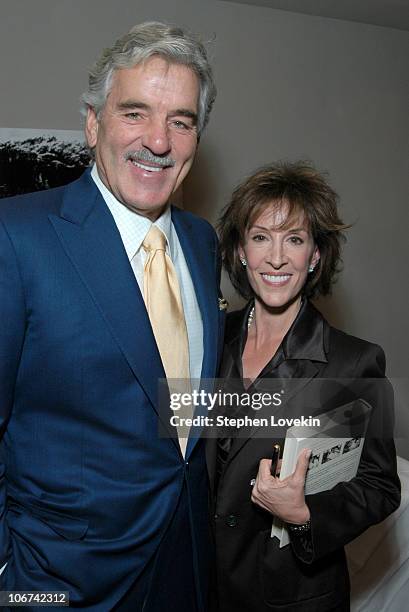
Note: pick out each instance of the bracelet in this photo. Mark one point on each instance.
(303, 528)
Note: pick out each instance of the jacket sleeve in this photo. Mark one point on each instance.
(344, 512)
(12, 317)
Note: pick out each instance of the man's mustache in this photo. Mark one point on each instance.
(144, 155)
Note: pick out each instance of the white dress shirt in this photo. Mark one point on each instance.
(133, 229)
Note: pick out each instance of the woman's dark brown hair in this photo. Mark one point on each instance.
(302, 190)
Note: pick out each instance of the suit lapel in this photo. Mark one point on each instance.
(200, 258)
(91, 240)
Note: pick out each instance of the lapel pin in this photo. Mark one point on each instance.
(223, 304)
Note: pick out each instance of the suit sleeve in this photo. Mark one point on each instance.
(12, 317)
(344, 512)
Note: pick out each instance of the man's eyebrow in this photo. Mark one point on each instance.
(178, 112)
(130, 104)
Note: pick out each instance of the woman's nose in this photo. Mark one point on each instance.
(277, 255)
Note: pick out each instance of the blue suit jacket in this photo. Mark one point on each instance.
(87, 488)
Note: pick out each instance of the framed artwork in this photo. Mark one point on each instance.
(32, 160)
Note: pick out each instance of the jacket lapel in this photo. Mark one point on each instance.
(91, 240)
(304, 350)
(200, 257)
(299, 376)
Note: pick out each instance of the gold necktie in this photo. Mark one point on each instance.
(165, 309)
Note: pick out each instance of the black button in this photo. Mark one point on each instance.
(231, 520)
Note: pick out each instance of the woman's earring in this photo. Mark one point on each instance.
(243, 262)
(312, 267)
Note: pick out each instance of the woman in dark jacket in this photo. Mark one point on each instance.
(280, 239)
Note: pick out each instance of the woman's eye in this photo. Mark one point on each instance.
(258, 237)
(296, 240)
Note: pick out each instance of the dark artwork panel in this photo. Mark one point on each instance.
(40, 162)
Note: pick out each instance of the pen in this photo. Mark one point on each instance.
(274, 459)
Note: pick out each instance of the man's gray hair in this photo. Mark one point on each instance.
(143, 41)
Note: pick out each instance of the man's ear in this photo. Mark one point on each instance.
(91, 127)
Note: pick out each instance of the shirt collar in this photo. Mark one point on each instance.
(131, 226)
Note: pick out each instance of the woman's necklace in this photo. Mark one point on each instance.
(250, 317)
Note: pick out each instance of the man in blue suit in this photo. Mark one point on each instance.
(93, 501)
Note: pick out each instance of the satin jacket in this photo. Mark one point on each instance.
(325, 368)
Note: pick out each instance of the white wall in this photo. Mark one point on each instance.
(290, 86)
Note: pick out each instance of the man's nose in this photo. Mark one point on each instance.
(156, 137)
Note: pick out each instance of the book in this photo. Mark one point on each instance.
(336, 443)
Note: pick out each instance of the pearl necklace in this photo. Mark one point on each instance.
(250, 317)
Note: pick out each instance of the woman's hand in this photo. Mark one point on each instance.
(283, 498)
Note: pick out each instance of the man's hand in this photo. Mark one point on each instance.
(283, 498)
